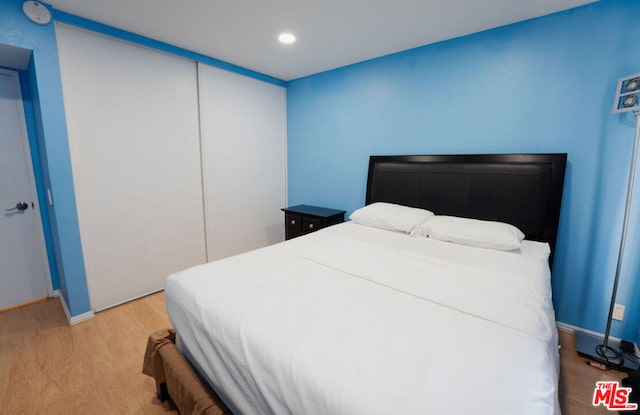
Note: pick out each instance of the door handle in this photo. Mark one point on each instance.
(19, 206)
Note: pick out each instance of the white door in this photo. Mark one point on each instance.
(24, 269)
(132, 117)
(243, 133)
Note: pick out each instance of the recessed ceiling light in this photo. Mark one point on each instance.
(286, 38)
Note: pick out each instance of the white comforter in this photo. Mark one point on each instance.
(355, 320)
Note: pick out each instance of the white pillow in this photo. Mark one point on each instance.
(473, 232)
(391, 216)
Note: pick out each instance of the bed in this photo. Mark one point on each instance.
(360, 319)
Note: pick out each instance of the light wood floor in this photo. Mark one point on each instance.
(578, 380)
(47, 367)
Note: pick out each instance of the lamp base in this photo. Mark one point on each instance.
(588, 345)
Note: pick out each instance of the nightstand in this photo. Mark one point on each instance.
(302, 219)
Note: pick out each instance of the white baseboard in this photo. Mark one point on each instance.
(55, 294)
(568, 328)
(75, 319)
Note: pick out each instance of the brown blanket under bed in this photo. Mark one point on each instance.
(177, 379)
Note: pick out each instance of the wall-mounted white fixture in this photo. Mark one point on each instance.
(618, 312)
(36, 12)
(627, 99)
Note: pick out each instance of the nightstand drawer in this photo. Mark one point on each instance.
(310, 224)
(294, 221)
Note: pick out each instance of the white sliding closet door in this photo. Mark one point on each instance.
(243, 150)
(132, 116)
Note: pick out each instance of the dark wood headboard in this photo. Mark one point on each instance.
(524, 190)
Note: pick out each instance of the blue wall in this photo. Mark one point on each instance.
(47, 109)
(544, 85)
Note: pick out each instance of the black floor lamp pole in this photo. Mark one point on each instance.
(602, 350)
(627, 99)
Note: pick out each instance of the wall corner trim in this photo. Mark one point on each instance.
(75, 319)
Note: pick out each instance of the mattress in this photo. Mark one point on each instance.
(357, 320)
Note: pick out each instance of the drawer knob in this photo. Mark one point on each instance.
(311, 226)
(293, 221)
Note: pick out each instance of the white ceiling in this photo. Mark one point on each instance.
(330, 33)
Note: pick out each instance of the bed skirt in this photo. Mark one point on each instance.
(177, 379)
